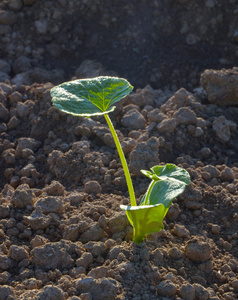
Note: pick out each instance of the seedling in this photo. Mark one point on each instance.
(97, 96)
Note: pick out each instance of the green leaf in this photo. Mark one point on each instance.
(169, 181)
(144, 219)
(88, 97)
(169, 171)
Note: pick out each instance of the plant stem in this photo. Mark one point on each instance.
(148, 192)
(123, 161)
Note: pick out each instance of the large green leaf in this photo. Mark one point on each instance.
(88, 97)
(144, 219)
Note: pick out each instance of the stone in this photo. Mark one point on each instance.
(167, 125)
(6, 292)
(133, 120)
(200, 292)
(221, 86)
(227, 175)
(37, 220)
(221, 127)
(52, 256)
(17, 253)
(92, 186)
(22, 196)
(4, 76)
(50, 204)
(187, 292)
(50, 292)
(4, 113)
(101, 288)
(144, 156)
(185, 115)
(166, 288)
(198, 251)
(118, 222)
(156, 116)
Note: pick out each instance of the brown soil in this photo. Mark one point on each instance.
(62, 234)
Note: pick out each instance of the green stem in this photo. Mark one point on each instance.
(148, 192)
(123, 161)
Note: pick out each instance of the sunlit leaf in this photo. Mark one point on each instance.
(89, 97)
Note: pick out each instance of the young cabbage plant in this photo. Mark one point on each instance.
(97, 96)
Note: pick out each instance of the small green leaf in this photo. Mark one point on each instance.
(169, 182)
(144, 219)
(88, 97)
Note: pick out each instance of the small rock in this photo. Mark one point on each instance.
(180, 231)
(55, 189)
(227, 175)
(213, 171)
(50, 292)
(50, 204)
(167, 125)
(94, 233)
(105, 288)
(133, 120)
(22, 196)
(4, 113)
(144, 156)
(200, 292)
(118, 222)
(17, 253)
(92, 187)
(156, 116)
(222, 129)
(6, 292)
(85, 260)
(198, 251)
(187, 292)
(221, 86)
(38, 221)
(24, 143)
(185, 116)
(52, 256)
(166, 288)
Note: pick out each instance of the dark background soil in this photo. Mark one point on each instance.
(163, 43)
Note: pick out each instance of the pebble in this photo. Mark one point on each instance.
(50, 292)
(6, 292)
(187, 292)
(180, 231)
(227, 175)
(50, 204)
(18, 253)
(185, 116)
(167, 125)
(198, 251)
(222, 129)
(92, 187)
(52, 256)
(22, 196)
(166, 288)
(200, 292)
(144, 156)
(133, 120)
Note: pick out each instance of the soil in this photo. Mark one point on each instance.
(62, 233)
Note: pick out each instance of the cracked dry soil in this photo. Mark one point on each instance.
(62, 234)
